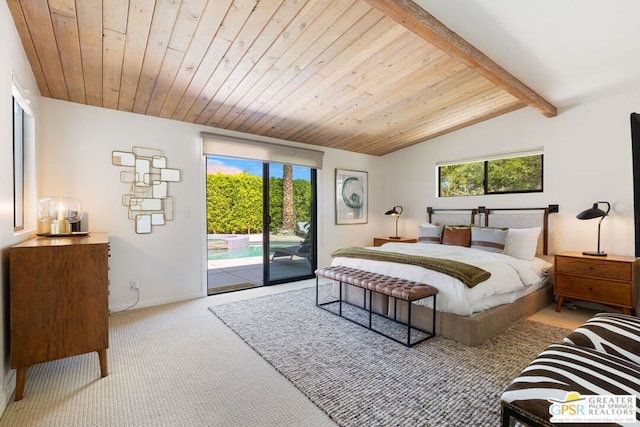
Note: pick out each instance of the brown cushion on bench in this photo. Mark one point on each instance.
(400, 288)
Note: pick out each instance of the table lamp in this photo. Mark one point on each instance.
(591, 213)
(59, 213)
(396, 211)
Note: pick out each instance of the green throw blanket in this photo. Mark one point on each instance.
(470, 275)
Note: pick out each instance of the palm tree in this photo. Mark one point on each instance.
(288, 212)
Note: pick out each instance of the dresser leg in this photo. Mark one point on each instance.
(21, 379)
(559, 304)
(102, 355)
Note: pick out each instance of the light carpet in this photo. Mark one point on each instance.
(169, 366)
(361, 378)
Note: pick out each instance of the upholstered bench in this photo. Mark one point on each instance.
(601, 357)
(399, 289)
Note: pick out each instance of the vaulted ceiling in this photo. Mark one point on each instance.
(369, 76)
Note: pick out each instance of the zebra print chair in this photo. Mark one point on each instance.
(601, 357)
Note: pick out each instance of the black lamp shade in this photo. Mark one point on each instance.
(594, 212)
(394, 211)
(591, 213)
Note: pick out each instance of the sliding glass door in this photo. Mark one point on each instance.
(289, 223)
(260, 223)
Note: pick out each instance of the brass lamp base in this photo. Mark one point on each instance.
(60, 227)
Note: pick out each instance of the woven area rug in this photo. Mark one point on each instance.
(361, 378)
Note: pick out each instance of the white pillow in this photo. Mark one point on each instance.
(522, 243)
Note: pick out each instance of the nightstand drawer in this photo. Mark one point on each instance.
(594, 290)
(599, 268)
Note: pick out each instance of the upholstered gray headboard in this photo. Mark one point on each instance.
(452, 216)
(498, 217)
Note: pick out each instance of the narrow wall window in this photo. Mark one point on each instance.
(18, 166)
(513, 174)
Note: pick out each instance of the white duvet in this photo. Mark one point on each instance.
(511, 278)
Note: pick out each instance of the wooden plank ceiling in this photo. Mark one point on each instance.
(369, 76)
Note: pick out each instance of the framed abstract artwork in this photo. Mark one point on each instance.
(351, 197)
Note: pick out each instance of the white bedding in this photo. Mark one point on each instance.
(511, 278)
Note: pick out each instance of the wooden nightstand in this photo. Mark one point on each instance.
(379, 241)
(610, 280)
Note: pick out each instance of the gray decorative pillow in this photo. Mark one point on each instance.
(488, 239)
(430, 233)
(611, 333)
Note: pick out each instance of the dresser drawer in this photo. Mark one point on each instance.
(597, 268)
(597, 290)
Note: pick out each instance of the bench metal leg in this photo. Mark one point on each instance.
(369, 324)
(370, 308)
(433, 320)
(340, 299)
(320, 304)
(409, 324)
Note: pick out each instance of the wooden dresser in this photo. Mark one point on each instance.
(610, 280)
(58, 301)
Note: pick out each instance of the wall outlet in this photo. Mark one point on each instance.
(135, 285)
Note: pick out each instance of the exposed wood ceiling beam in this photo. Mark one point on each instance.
(421, 23)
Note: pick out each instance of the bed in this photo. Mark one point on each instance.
(510, 244)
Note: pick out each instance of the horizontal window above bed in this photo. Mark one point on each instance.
(521, 173)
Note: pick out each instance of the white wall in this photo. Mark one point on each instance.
(587, 158)
(14, 64)
(76, 142)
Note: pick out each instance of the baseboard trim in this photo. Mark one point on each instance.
(152, 303)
